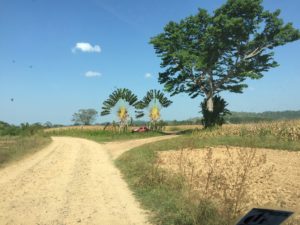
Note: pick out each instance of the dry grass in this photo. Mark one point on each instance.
(286, 130)
(182, 127)
(98, 127)
(237, 179)
(15, 147)
(88, 128)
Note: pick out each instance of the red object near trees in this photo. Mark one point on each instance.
(141, 129)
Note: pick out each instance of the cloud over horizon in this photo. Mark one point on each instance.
(86, 47)
(92, 74)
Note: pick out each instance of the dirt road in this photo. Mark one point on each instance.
(72, 181)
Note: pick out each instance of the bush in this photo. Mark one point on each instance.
(25, 129)
(210, 119)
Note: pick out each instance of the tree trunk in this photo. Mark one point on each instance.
(210, 104)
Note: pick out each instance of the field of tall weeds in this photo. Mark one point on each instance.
(286, 130)
(16, 147)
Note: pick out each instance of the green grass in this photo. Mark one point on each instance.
(102, 135)
(16, 147)
(164, 194)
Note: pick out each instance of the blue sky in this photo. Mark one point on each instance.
(50, 79)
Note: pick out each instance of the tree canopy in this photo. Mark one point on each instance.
(205, 54)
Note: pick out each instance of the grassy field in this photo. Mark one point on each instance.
(15, 147)
(100, 135)
(170, 197)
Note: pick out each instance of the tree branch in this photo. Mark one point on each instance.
(255, 52)
(250, 55)
(199, 82)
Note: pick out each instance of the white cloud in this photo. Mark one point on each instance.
(148, 75)
(92, 74)
(86, 47)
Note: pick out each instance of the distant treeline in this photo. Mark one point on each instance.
(24, 129)
(237, 117)
(249, 117)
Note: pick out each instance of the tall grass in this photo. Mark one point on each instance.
(285, 130)
(225, 181)
(18, 141)
(15, 147)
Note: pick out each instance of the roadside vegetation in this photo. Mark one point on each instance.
(102, 135)
(19, 141)
(175, 197)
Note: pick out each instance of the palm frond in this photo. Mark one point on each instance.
(119, 94)
(154, 95)
(155, 98)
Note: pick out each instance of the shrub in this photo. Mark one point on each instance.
(216, 117)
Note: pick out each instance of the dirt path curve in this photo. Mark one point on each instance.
(116, 148)
(72, 181)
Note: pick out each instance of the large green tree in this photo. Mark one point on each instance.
(205, 54)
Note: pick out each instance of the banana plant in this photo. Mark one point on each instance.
(153, 101)
(121, 100)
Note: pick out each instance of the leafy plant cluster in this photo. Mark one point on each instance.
(217, 116)
(124, 99)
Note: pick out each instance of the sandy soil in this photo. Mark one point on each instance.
(72, 181)
(279, 191)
